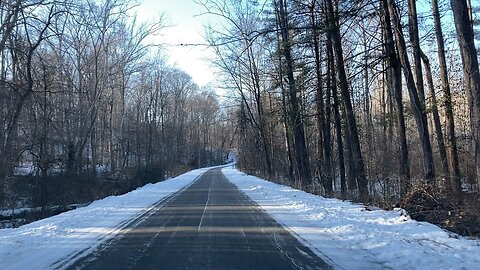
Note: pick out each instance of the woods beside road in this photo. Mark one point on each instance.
(370, 101)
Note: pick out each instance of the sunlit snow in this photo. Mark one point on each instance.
(55, 241)
(343, 233)
(351, 237)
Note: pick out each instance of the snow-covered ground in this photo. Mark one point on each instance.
(52, 242)
(354, 238)
(21, 210)
(343, 233)
(28, 168)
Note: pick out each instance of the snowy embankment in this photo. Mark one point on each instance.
(55, 241)
(352, 237)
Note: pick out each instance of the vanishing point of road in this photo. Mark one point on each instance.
(208, 225)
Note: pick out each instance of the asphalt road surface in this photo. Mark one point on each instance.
(209, 225)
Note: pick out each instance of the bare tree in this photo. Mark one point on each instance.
(450, 123)
(394, 83)
(354, 143)
(301, 154)
(22, 78)
(471, 71)
(419, 112)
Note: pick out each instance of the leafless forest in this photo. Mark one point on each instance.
(375, 101)
(372, 101)
(89, 108)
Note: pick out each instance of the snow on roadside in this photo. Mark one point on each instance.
(40, 244)
(354, 238)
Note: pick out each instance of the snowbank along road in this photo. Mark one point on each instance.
(199, 220)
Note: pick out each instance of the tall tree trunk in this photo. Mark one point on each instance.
(10, 21)
(354, 142)
(288, 137)
(436, 117)
(331, 77)
(301, 154)
(111, 142)
(327, 138)
(366, 104)
(93, 149)
(454, 166)
(471, 73)
(415, 42)
(323, 129)
(394, 83)
(417, 107)
(261, 116)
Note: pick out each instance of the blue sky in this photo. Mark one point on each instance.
(185, 26)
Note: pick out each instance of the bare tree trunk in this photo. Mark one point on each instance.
(261, 115)
(328, 137)
(111, 144)
(288, 137)
(324, 152)
(471, 72)
(9, 22)
(341, 154)
(415, 42)
(354, 141)
(451, 140)
(394, 82)
(301, 154)
(331, 77)
(93, 149)
(419, 113)
(366, 105)
(436, 117)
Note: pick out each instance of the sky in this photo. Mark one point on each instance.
(184, 26)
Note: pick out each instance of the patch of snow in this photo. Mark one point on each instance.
(29, 168)
(57, 239)
(232, 156)
(21, 210)
(350, 237)
(24, 169)
(102, 168)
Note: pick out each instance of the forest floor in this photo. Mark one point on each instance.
(460, 216)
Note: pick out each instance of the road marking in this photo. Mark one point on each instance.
(292, 260)
(205, 209)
